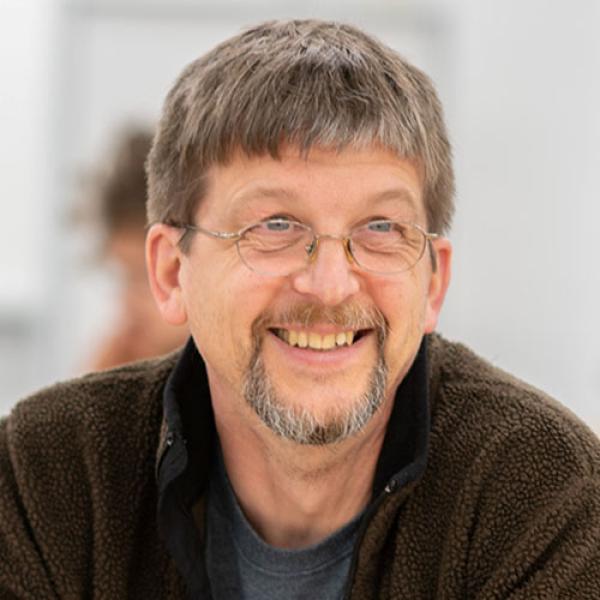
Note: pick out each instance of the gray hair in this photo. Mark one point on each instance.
(301, 82)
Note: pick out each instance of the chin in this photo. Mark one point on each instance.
(324, 414)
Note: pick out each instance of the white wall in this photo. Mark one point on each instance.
(520, 84)
(527, 136)
(27, 194)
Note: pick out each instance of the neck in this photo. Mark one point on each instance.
(296, 495)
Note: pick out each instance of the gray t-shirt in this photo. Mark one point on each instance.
(242, 566)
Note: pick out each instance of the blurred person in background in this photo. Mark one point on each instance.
(315, 438)
(118, 195)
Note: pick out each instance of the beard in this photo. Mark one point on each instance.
(298, 424)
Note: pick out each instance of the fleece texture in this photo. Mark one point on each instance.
(508, 506)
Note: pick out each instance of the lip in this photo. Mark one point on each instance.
(341, 356)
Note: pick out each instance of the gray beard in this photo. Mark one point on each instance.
(298, 424)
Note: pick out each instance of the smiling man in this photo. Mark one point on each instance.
(315, 438)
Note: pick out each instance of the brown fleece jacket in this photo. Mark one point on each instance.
(507, 508)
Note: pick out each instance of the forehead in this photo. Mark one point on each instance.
(320, 181)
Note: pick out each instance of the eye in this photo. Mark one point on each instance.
(381, 236)
(380, 226)
(278, 224)
(273, 235)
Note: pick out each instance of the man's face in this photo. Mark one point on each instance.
(250, 327)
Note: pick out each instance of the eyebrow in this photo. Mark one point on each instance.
(260, 192)
(395, 194)
(281, 193)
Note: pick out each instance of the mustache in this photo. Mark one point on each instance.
(346, 316)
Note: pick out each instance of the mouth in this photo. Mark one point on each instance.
(302, 338)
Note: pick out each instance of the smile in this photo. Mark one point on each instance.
(316, 341)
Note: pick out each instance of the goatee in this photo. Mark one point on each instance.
(298, 424)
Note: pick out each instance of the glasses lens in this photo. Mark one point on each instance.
(387, 247)
(275, 246)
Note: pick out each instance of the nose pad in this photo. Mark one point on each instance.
(313, 247)
(326, 277)
(348, 251)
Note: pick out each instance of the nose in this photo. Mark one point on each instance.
(329, 276)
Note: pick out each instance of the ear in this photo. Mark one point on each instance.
(440, 279)
(164, 262)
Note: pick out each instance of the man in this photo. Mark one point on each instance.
(315, 438)
(120, 197)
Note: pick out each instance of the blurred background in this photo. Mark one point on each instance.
(520, 80)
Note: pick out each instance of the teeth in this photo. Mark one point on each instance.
(328, 341)
(315, 341)
(302, 339)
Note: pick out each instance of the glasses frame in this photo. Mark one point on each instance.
(312, 248)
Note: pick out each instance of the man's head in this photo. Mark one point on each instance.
(117, 203)
(119, 195)
(315, 131)
(119, 199)
(305, 83)
(120, 189)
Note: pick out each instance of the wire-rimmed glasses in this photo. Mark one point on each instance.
(280, 246)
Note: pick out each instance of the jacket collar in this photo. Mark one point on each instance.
(403, 455)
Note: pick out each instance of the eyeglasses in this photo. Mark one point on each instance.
(279, 246)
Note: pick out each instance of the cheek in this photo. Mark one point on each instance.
(406, 319)
(404, 305)
(218, 331)
(205, 298)
(222, 305)
(403, 302)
